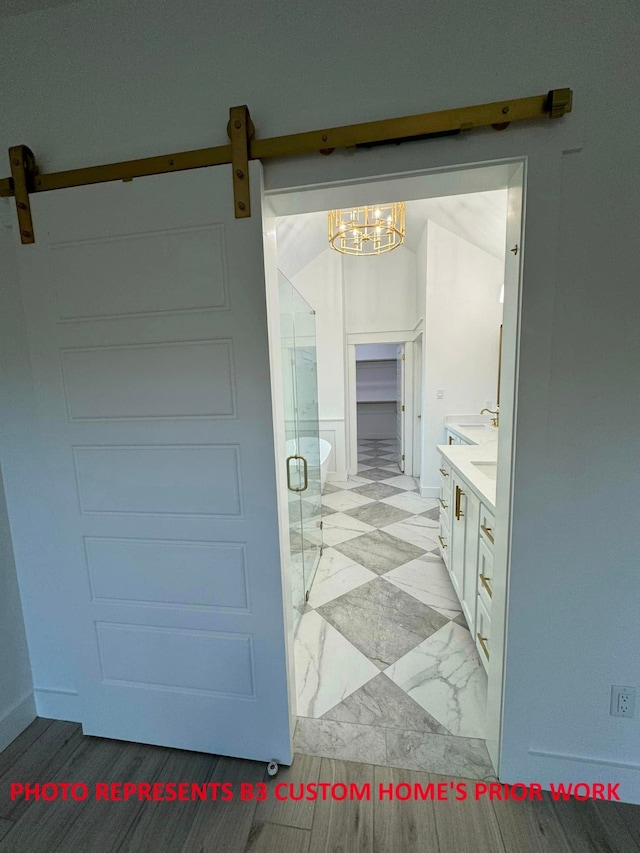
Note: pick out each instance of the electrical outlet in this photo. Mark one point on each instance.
(623, 701)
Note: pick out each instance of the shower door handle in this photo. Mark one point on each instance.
(304, 471)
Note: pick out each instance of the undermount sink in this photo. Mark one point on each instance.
(489, 469)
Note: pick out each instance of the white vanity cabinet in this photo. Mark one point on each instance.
(455, 438)
(452, 438)
(466, 545)
(444, 500)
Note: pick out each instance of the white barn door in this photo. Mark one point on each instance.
(145, 304)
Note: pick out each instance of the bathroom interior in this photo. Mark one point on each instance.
(391, 407)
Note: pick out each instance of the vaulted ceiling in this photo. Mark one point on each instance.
(479, 218)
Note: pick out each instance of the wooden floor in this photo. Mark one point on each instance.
(58, 752)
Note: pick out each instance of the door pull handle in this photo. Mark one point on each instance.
(304, 472)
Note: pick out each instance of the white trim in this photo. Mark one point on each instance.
(403, 337)
(278, 426)
(585, 759)
(551, 766)
(399, 337)
(429, 491)
(418, 399)
(58, 704)
(16, 720)
(407, 401)
(307, 185)
(333, 430)
(352, 410)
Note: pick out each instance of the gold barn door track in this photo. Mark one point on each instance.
(243, 146)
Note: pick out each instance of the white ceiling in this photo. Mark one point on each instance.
(479, 218)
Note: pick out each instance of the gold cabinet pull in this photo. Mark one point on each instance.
(443, 504)
(443, 472)
(459, 494)
(488, 532)
(483, 643)
(486, 584)
(442, 545)
(450, 439)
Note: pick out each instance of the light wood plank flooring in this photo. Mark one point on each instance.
(57, 751)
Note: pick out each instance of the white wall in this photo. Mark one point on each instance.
(349, 295)
(112, 80)
(380, 292)
(463, 316)
(17, 705)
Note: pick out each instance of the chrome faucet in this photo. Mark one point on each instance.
(494, 421)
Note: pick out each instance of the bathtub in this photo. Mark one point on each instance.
(308, 447)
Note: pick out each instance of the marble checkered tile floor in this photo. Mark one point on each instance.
(386, 669)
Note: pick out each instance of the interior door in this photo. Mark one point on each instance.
(418, 403)
(401, 404)
(145, 306)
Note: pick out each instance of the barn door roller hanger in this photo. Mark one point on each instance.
(243, 146)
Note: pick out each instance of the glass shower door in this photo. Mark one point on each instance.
(299, 366)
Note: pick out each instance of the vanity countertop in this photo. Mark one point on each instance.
(461, 458)
(484, 435)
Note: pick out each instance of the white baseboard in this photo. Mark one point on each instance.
(549, 765)
(16, 720)
(429, 491)
(58, 704)
(337, 476)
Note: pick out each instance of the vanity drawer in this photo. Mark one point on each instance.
(485, 575)
(483, 633)
(443, 539)
(444, 505)
(487, 526)
(445, 480)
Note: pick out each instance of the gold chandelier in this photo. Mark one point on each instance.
(369, 230)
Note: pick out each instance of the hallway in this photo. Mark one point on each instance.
(386, 669)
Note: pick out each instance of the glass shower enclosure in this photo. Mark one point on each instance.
(304, 486)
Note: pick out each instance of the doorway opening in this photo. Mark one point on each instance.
(395, 639)
(381, 403)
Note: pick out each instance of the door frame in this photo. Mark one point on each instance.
(404, 337)
(329, 196)
(304, 185)
(418, 398)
